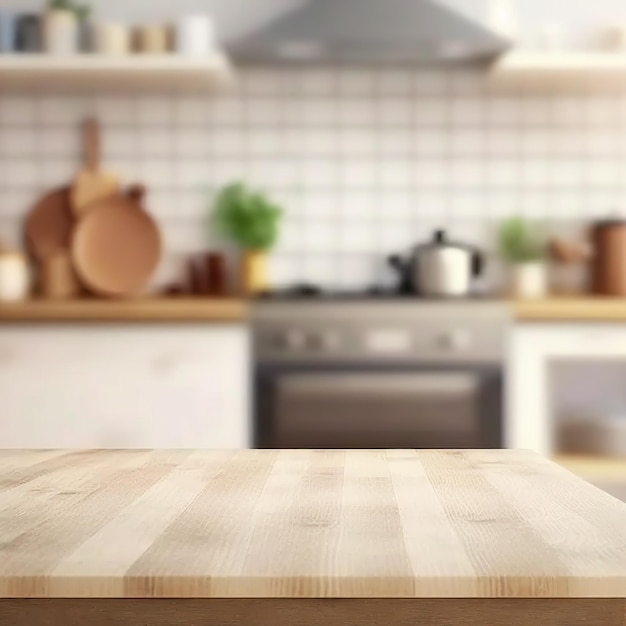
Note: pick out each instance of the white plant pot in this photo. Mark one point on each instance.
(61, 33)
(14, 277)
(528, 280)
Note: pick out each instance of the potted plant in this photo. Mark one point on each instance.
(62, 22)
(523, 246)
(250, 220)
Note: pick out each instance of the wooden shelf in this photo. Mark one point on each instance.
(570, 309)
(91, 71)
(139, 310)
(562, 70)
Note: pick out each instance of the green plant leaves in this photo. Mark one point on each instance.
(520, 241)
(248, 218)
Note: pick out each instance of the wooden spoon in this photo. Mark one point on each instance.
(92, 183)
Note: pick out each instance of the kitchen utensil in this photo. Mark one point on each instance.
(60, 32)
(58, 277)
(439, 268)
(7, 32)
(216, 279)
(116, 245)
(195, 35)
(28, 36)
(111, 39)
(608, 264)
(92, 183)
(196, 276)
(153, 39)
(15, 277)
(568, 252)
(49, 224)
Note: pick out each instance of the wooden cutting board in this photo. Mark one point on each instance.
(49, 224)
(92, 183)
(116, 245)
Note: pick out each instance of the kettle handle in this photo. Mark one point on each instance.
(405, 271)
(478, 263)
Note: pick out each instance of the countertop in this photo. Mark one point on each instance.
(316, 524)
(570, 309)
(133, 310)
(554, 309)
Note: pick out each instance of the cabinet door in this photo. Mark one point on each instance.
(124, 387)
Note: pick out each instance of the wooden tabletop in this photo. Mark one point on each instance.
(236, 524)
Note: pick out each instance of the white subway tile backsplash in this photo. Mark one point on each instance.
(395, 174)
(356, 82)
(117, 110)
(52, 173)
(23, 172)
(14, 203)
(467, 173)
(18, 110)
(190, 111)
(55, 141)
(318, 81)
(19, 141)
(431, 83)
(320, 237)
(467, 112)
(162, 140)
(396, 112)
(431, 112)
(431, 174)
(188, 173)
(364, 161)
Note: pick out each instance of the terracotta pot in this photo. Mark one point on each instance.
(254, 271)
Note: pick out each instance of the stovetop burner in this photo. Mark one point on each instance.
(309, 291)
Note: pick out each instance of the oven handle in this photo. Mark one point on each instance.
(427, 384)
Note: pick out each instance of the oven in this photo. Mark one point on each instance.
(379, 375)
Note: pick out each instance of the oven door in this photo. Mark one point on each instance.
(370, 409)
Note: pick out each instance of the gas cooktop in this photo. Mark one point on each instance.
(305, 291)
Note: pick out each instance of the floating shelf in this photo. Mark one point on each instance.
(132, 72)
(133, 310)
(547, 70)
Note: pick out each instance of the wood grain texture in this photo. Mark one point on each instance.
(305, 524)
(570, 309)
(128, 310)
(321, 612)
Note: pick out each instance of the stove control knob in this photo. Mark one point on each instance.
(293, 340)
(456, 340)
(327, 341)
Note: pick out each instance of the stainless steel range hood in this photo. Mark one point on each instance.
(369, 31)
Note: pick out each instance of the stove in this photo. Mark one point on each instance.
(377, 368)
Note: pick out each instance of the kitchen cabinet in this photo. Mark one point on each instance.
(124, 386)
(537, 351)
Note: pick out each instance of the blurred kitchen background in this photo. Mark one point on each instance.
(425, 247)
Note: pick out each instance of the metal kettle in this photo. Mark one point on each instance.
(439, 268)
